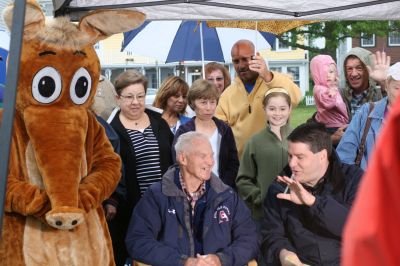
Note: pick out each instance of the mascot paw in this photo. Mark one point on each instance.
(65, 218)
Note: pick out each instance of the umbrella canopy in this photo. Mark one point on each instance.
(176, 41)
(273, 26)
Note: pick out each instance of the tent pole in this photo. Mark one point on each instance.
(10, 94)
(202, 50)
(255, 34)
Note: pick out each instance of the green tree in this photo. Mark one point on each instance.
(334, 32)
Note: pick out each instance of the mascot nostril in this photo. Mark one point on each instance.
(62, 166)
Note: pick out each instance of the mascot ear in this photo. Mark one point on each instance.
(101, 24)
(34, 18)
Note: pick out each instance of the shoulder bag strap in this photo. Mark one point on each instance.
(361, 148)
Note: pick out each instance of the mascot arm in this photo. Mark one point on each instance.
(23, 197)
(104, 172)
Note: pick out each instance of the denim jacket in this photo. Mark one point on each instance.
(350, 142)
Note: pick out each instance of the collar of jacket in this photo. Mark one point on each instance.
(285, 129)
(258, 83)
(379, 109)
(170, 189)
(372, 91)
(191, 126)
(154, 118)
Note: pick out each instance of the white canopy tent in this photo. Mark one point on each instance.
(242, 9)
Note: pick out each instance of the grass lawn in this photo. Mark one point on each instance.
(300, 115)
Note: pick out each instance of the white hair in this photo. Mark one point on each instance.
(185, 141)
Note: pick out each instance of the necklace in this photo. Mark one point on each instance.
(171, 120)
(137, 122)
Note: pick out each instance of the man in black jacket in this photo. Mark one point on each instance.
(305, 214)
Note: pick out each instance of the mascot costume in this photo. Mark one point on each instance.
(62, 165)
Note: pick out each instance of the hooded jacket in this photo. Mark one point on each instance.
(331, 110)
(374, 92)
(161, 230)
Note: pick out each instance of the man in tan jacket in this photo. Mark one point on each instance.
(240, 105)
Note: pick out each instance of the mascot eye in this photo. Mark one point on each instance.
(80, 86)
(46, 85)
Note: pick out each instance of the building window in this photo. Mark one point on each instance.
(276, 69)
(97, 46)
(295, 73)
(394, 38)
(279, 46)
(151, 75)
(129, 53)
(367, 40)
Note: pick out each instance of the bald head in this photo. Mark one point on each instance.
(242, 52)
(242, 44)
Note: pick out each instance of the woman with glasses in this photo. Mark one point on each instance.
(145, 151)
(203, 99)
(171, 98)
(218, 75)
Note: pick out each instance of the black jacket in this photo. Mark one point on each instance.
(228, 160)
(313, 233)
(164, 137)
(127, 193)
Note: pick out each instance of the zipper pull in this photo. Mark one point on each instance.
(249, 109)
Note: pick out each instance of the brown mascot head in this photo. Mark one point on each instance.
(58, 78)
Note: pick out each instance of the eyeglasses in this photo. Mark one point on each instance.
(216, 79)
(130, 98)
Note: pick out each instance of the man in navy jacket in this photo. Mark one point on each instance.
(305, 214)
(191, 217)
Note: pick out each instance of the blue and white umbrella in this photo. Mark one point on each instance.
(4, 47)
(176, 41)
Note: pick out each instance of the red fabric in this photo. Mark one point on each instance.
(372, 233)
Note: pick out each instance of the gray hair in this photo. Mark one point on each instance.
(185, 141)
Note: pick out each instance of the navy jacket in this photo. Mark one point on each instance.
(313, 233)
(228, 155)
(160, 230)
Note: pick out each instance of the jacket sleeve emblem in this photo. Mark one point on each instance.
(222, 214)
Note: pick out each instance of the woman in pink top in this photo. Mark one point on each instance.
(331, 110)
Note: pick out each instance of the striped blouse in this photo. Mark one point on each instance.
(147, 152)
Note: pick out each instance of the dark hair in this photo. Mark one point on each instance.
(127, 78)
(202, 89)
(314, 135)
(171, 86)
(212, 66)
(275, 94)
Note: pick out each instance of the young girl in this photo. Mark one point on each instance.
(331, 109)
(265, 154)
